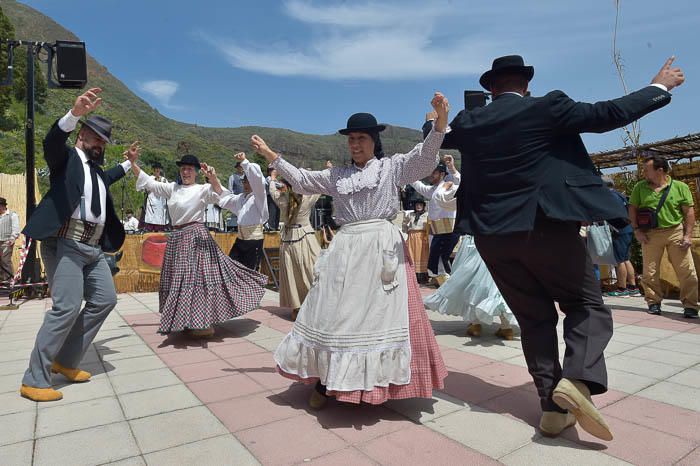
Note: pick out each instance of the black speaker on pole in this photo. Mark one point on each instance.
(474, 99)
(71, 64)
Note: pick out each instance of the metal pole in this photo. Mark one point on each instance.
(30, 272)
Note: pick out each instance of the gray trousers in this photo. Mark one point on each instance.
(75, 271)
(6, 270)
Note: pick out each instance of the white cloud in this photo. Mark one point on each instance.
(163, 90)
(375, 41)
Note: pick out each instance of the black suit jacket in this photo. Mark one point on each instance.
(524, 154)
(67, 184)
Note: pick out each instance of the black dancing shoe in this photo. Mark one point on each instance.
(654, 309)
(690, 313)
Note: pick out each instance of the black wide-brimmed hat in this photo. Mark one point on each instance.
(507, 64)
(100, 126)
(362, 122)
(189, 160)
(156, 165)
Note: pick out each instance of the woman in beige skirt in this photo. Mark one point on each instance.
(299, 247)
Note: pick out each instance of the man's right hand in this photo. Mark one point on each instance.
(669, 77)
(87, 102)
(641, 236)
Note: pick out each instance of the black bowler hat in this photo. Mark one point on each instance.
(441, 167)
(100, 126)
(362, 122)
(189, 160)
(156, 165)
(507, 64)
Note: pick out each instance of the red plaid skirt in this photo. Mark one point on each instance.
(200, 285)
(427, 367)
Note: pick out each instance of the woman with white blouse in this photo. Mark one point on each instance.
(362, 334)
(200, 286)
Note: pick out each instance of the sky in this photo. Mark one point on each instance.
(307, 65)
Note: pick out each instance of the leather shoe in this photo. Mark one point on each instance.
(553, 423)
(74, 375)
(505, 333)
(575, 397)
(295, 313)
(690, 313)
(318, 400)
(654, 309)
(40, 394)
(474, 330)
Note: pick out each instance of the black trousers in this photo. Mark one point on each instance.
(247, 252)
(533, 270)
(273, 221)
(441, 248)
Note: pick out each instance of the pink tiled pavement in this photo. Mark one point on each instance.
(237, 380)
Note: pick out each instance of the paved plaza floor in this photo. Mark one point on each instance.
(177, 401)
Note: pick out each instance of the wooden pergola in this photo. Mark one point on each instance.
(685, 147)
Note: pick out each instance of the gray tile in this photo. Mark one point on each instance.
(689, 377)
(674, 394)
(686, 347)
(687, 337)
(17, 454)
(146, 380)
(131, 365)
(115, 354)
(497, 351)
(12, 402)
(554, 452)
(646, 331)
(422, 410)
(270, 344)
(632, 338)
(97, 445)
(157, 401)
(77, 416)
(15, 355)
(219, 450)
(637, 366)
(617, 347)
(176, 428)
(133, 461)
(76, 392)
(663, 356)
(263, 333)
(120, 341)
(628, 382)
(495, 436)
(17, 427)
(10, 383)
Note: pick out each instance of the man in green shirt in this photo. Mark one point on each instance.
(676, 220)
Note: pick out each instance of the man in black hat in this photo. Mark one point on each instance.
(529, 184)
(155, 207)
(76, 224)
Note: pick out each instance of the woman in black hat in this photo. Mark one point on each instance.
(200, 286)
(362, 333)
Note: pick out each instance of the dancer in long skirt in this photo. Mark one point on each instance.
(362, 333)
(415, 226)
(199, 285)
(471, 293)
(299, 247)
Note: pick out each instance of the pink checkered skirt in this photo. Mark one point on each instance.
(200, 286)
(428, 370)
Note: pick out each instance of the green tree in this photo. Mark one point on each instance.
(7, 32)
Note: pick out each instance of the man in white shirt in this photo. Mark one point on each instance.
(9, 232)
(76, 223)
(156, 207)
(252, 211)
(131, 224)
(441, 216)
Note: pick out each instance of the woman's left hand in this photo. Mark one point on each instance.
(442, 108)
(208, 170)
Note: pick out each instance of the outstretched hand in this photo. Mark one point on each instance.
(133, 152)
(207, 170)
(262, 148)
(669, 77)
(442, 108)
(239, 157)
(87, 102)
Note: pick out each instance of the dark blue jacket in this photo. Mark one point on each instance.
(67, 183)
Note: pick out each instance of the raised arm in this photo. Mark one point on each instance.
(145, 182)
(579, 117)
(303, 181)
(256, 179)
(423, 158)
(423, 189)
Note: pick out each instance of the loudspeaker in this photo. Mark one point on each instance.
(71, 64)
(474, 99)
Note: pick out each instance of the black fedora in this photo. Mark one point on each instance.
(362, 122)
(510, 64)
(189, 160)
(100, 126)
(156, 165)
